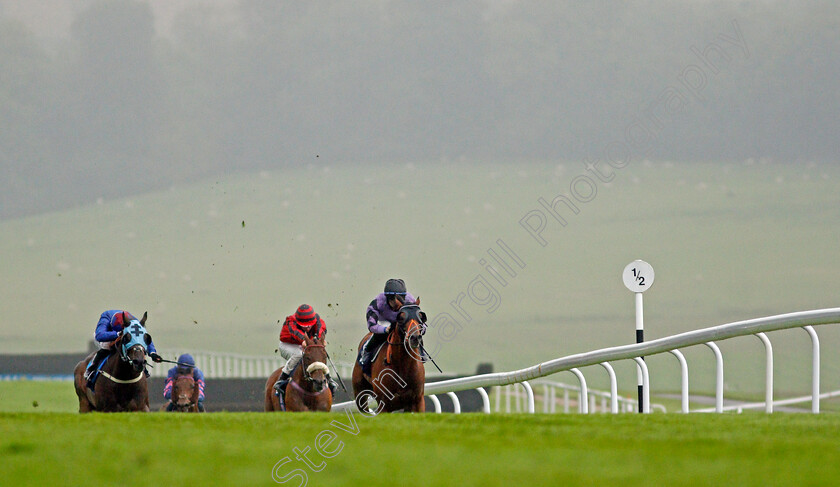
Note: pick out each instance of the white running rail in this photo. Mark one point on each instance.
(223, 365)
(707, 336)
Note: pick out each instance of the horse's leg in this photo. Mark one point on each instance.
(325, 404)
(294, 401)
(80, 388)
(84, 404)
(419, 406)
(360, 387)
(272, 402)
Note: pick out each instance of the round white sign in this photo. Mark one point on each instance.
(638, 276)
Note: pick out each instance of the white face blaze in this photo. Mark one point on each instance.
(318, 366)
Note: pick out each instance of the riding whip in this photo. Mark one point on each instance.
(336, 373)
(178, 363)
(430, 357)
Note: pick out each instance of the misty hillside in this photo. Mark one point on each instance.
(107, 98)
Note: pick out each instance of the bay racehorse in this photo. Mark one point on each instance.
(122, 384)
(308, 389)
(184, 397)
(397, 375)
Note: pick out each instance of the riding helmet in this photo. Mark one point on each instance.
(305, 315)
(186, 362)
(395, 286)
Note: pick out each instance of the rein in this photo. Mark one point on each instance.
(306, 368)
(123, 356)
(305, 392)
(396, 331)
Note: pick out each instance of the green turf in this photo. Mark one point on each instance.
(38, 396)
(473, 449)
(218, 263)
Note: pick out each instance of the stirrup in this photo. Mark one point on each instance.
(280, 392)
(280, 387)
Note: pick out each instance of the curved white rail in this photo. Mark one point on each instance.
(684, 381)
(801, 319)
(613, 387)
(768, 378)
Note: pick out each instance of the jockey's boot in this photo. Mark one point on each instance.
(100, 355)
(332, 385)
(280, 389)
(280, 385)
(365, 360)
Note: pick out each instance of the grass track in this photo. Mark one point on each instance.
(470, 449)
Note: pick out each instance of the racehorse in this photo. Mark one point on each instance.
(122, 384)
(397, 375)
(184, 398)
(307, 389)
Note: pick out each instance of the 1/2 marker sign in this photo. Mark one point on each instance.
(638, 276)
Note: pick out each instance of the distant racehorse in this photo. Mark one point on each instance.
(308, 389)
(397, 375)
(122, 384)
(184, 395)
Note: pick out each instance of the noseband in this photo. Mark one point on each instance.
(314, 366)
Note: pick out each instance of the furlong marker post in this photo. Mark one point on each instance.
(638, 277)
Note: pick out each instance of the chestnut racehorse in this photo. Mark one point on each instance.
(397, 375)
(308, 389)
(184, 398)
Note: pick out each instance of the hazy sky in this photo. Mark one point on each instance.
(175, 91)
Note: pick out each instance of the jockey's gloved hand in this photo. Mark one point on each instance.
(156, 358)
(388, 329)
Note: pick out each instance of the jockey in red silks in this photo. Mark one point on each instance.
(381, 315)
(297, 328)
(186, 366)
(108, 329)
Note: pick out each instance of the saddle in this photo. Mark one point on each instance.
(373, 354)
(94, 374)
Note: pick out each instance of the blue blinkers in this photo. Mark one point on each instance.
(134, 334)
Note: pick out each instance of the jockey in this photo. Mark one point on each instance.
(108, 330)
(186, 366)
(304, 324)
(381, 314)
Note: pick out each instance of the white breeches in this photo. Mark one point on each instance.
(293, 353)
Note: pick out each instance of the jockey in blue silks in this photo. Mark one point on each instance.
(108, 329)
(186, 366)
(381, 315)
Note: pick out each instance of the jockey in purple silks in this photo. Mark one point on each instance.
(108, 329)
(381, 314)
(186, 366)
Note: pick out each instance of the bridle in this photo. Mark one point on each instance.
(307, 369)
(191, 393)
(404, 329)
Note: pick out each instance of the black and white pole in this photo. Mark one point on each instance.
(638, 277)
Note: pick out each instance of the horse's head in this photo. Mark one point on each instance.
(183, 392)
(411, 326)
(133, 343)
(314, 363)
